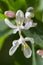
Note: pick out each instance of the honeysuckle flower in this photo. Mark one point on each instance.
(25, 48)
(20, 19)
(10, 14)
(40, 52)
(28, 21)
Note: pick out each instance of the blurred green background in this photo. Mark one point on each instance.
(6, 36)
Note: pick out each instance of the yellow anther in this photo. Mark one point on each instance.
(19, 24)
(25, 46)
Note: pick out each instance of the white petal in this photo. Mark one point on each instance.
(9, 23)
(20, 16)
(34, 24)
(29, 39)
(19, 28)
(29, 9)
(28, 24)
(15, 31)
(22, 27)
(27, 51)
(29, 15)
(15, 42)
(13, 48)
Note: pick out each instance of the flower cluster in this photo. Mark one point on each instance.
(28, 23)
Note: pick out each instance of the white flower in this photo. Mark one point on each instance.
(25, 48)
(20, 19)
(28, 21)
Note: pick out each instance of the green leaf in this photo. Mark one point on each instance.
(2, 16)
(36, 37)
(40, 7)
(14, 5)
(39, 15)
(4, 32)
(33, 3)
(3, 6)
(39, 60)
(2, 39)
(39, 11)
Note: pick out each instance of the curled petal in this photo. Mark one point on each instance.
(28, 24)
(10, 14)
(29, 39)
(26, 51)
(29, 15)
(20, 16)
(34, 24)
(15, 42)
(29, 9)
(13, 48)
(9, 23)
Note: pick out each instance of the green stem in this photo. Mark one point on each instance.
(20, 33)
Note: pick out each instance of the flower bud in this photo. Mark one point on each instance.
(10, 14)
